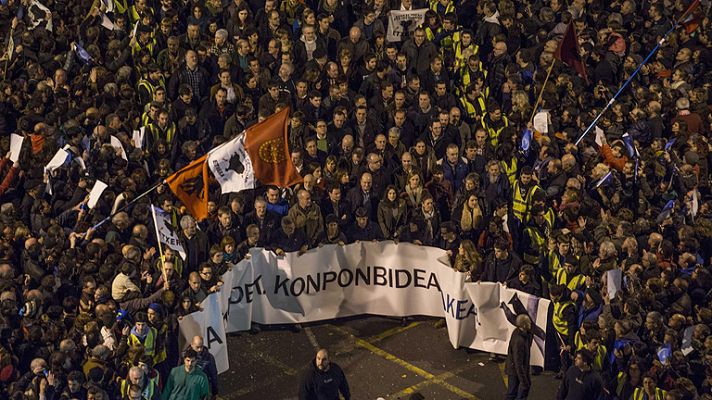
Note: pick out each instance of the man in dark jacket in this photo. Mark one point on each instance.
(323, 380)
(206, 362)
(518, 354)
(581, 381)
(501, 265)
(364, 229)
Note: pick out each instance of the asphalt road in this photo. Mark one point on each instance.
(381, 358)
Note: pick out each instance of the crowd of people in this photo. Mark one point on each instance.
(416, 141)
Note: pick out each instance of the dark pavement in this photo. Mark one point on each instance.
(381, 358)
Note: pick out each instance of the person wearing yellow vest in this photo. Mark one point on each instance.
(473, 104)
(143, 334)
(471, 71)
(534, 241)
(508, 161)
(162, 129)
(570, 276)
(465, 49)
(650, 390)
(156, 322)
(147, 85)
(442, 7)
(600, 353)
(138, 383)
(559, 253)
(564, 321)
(522, 191)
(494, 122)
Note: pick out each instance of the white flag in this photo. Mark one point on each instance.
(116, 143)
(541, 122)
(106, 22)
(60, 157)
(232, 166)
(15, 147)
(165, 231)
(209, 324)
(600, 136)
(95, 193)
(138, 136)
(399, 19)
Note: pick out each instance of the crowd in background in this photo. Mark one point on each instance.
(416, 141)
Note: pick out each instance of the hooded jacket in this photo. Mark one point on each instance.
(323, 385)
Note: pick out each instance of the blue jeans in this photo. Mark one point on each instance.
(515, 389)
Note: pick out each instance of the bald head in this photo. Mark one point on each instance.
(524, 322)
(322, 360)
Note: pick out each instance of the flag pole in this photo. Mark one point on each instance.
(8, 54)
(541, 92)
(630, 79)
(129, 204)
(158, 239)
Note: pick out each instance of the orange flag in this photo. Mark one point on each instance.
(267, 145)
(190, 185)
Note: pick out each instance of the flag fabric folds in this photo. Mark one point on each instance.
(568, 52)
(267, 146)
(190, 185)
(166, 232)
(232, 166)
(692, 17)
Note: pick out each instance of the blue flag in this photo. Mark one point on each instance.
(669, 144)
(82, 54)
(666, 211)
(630, 146)
(526, 140)
(664, 353)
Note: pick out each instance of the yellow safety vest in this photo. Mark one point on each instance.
(639, 393)
(573, 282)
(138, 47)
(449, 8)
(510, 170)
(147, 392)
(470, 109)
(120, 6)
(560, 324)
(520, 205)
(537, 243)
(494, 133)
(549, 216)
(149, 343)
(600, 357)
(169, 132)
(578, 342)
(460, 59)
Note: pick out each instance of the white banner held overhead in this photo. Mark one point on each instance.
(15, 147)
(165, 232)
(116, 144)
(59, 158)
(380, 278)
(232, 166)
(209, 324)
(95, 193)
(398, 20)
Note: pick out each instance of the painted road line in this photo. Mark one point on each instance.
(405, 364)
(444, 376)
(391, 332)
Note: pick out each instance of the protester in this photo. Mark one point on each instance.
(323, 379)
(616, 229)
(518, 355)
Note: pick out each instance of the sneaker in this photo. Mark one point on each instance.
(559, 375)
(255, 329)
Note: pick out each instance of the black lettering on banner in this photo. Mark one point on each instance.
(364, 276)
(329, 276)
(349, 277)
(419, 278)
(212, 336)
(240, 294)
(298, 283)
(433, 281)
(279, 283)
(313, 283)
(390, 277)
(379, 276)
(399, 283)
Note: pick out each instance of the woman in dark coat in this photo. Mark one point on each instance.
(392, 214)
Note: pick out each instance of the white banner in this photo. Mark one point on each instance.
(95, 193)
(209, 324)
(380, 278)
(232, 166)
(398, 19)
(15, 147)
(165, 231)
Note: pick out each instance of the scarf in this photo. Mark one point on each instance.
(494, 19)
(470, 217)
(310, 46)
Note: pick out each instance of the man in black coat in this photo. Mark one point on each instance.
(323, 380)
(195, 243)
(581, 381)
(517, 365)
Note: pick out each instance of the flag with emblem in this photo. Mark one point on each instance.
(267, 146)
(165, 231)
(190, 185)
(231, 165)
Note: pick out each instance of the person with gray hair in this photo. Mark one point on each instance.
(518, 355)
(222, 45)
(195, 242)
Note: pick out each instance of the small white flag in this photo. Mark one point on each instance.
(95, 193)
(232, 166)
(60, 157)
(106, 22)
(600, 136)
(137, 137)
(615, 282)
(15, 147)
(541, 122)
(116, 143)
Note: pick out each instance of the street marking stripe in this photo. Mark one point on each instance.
(405, 364)
(444, 376)
(312, 339)
(393, 331)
